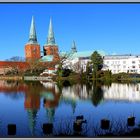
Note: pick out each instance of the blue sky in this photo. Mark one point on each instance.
(112, 28)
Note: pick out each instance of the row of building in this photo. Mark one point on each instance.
(77, 60)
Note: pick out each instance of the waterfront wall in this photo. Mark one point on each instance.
(36, 78)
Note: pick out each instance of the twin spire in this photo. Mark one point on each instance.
(50, 39)
(33, 36)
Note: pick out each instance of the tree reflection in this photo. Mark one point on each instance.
(97, 95)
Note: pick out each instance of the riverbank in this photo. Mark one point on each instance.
(75, 78)
(16, 78)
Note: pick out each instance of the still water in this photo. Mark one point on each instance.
(31, 104)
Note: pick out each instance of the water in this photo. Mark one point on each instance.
(29, 105)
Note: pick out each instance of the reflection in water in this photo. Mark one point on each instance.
(76, 92)
(127, 92)
(97, 95)
(51, 99)
(54, 96)
(32, 105)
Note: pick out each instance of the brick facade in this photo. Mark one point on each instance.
(52, 50)
(32, 51)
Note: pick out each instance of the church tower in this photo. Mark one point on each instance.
(73, 49)
(51, 48)
(32, 48)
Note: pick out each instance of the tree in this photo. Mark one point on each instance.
(16, 59)
(76, 67)
(63, 62)
(88, 70)
(97, 62)
(12, 66)
(36, 67)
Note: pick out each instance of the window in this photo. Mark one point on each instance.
(124, 62)
(133, 66)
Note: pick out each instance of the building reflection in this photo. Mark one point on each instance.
(12, 86)
(50, 99)
(32, 105)
(124, 92)
(51, 96)
(77, 92)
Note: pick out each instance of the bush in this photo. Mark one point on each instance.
(66, 72)
(120, 76)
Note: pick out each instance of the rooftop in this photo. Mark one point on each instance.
(47, 58)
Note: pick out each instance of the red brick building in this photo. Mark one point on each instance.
(32, 48)
(33, 51)
(51, 48)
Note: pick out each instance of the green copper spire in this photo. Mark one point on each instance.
(50, 39)
(73, 49)
(32, 35)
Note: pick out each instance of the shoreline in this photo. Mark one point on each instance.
(72, 78)
(11, 78)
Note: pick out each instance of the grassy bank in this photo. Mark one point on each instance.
(11, 78)
(78, 78)
(104, 77)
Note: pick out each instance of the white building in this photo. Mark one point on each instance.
(78, 59)
(114, 63)
(122, 63)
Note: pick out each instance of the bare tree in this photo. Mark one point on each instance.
(16, 59)
(63, 62)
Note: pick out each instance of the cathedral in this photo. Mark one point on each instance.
(33, 51)
(50, 48)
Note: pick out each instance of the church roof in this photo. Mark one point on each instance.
(47, 58)
(83, 54)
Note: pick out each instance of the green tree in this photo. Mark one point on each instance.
(97, 62)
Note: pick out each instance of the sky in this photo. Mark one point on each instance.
(112, 28)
